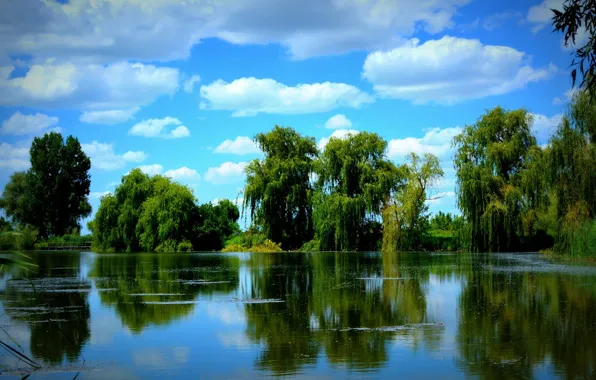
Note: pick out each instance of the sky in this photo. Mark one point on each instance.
(179, 88)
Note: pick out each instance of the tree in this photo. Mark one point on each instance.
(278, 189)
(578, 17)
(354, 179)
(490, 156)
(52, 195)
(217, 223)
(405, 218)
(572, 159)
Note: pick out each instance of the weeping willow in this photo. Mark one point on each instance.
(353, 180)
(572, 175)
(405, 212)
(491, 158)
(278, 189)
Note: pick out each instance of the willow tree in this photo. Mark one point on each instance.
(148, 213)
(405, 212)
(572, 161)
(278, 189)
(354, 179)
(490, 157)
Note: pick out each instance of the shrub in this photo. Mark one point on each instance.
(185, 246)
(16, 241)
(311, 246)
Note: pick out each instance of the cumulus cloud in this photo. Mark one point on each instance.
(91, 87)
(339, 133)
(251, 96)
(436, 141)
(183, 173)
(159, 128)
(103, 156)
(338, 121)
(151, 169)
(19, 124)
(241, 145)
(544, 126)
(449, 70)
(163, 30)
(14, 157)
(228, 172)
(109, 117)
(189, 84)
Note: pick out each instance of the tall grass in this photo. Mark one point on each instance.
(582, 242)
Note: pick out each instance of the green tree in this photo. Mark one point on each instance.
(578, 16)
(217, 223)
(354, 179)
(405, 217)
(149, 213)
(572, 178)
(53, 195)
(278, 188)
(490, 156)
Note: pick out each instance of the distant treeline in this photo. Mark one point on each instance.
(512, 193)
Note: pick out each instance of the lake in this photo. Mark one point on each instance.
(319, 315)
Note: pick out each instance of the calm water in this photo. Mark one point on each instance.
(331, 315)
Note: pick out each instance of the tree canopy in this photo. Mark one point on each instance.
(52, 196)
(156, 214)
(278, 189)
(490, 157)
(354, 178)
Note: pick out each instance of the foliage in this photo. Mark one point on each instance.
(156, 214)
(278, 189)
(216, 223)
(52, 195)
(66, 240)
(266, 246)
(5, 225)
(405, 218)
(311, 246)
(354, 179)
(578, 16)
(16, 240)
(490, 160)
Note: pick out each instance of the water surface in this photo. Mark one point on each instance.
(320, 315)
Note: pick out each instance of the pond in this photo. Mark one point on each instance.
(319, 315)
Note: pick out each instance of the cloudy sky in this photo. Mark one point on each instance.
(181, 89)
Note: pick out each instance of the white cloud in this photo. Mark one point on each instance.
(440, 197)
(14, 157)
(568, 96)
(19, 124)
(159, 128)
(241, 145)
(163, 30)
(339, 133)
(99, 194)
(183, 173)
(237, 201)
(189, 84)
(541, 16)
(338, 121)
(544, 126)
(251, 96)
(228, 172)
(109, 117)
(449, 70)
(436, 141)
(151, 169)
(103, 156)
(496, 20)
(91, 87)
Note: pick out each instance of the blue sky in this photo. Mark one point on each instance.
(180, 89)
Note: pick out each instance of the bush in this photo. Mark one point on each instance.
(311, 246)
(185, 246)
(16, 241)
(582, 242)
(266, 246)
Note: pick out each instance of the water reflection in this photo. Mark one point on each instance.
(221, 315)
